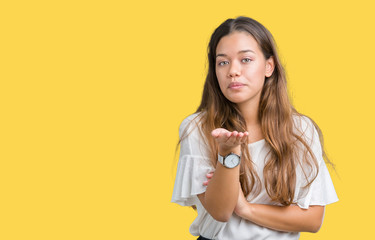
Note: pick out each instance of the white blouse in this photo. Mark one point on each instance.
(194, 164)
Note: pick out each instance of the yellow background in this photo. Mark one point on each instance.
(93, 92)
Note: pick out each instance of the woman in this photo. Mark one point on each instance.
(249, 162)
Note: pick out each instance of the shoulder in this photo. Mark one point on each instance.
(307, 129)
(193, 140)
(304, 126)
(190, 123)
(301, 122)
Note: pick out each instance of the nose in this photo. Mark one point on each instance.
(234, 70)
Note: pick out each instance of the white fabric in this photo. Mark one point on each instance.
(194, 164)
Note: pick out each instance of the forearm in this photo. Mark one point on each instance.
(285, 218)
(221, 195)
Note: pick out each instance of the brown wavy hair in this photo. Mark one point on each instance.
(275, 115)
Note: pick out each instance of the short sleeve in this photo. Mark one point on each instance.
(321, 191)
(193, 164)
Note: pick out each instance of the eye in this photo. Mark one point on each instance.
(222, 63)
(246, 60)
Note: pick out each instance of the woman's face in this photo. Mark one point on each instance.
(241, 68)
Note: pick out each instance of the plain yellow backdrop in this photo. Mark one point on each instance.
(93, 92)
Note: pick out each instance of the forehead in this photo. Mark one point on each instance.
(236, 42)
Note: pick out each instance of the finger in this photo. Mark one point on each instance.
(232, 138)
(244, 137)
(237, 140)
(205, 183)
(239, 137)
(228, 135)
(209, 175)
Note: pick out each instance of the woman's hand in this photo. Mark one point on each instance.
(242, 203)
(208, 176)
(229, 141)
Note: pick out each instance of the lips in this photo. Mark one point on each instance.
(236, 85)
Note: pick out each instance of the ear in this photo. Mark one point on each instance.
(270, 66)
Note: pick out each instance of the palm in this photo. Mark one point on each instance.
(227, 140)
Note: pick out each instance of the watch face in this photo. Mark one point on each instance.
(232, 161)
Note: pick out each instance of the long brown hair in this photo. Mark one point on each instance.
(275, 115)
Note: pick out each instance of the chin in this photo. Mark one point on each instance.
(236, 101)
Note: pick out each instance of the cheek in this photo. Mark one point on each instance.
(222, 86)
(221, 80)
(256, 75)
(258, 70)
(218, 74)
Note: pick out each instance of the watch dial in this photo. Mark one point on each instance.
(232, 161)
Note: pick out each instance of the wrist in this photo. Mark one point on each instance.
(249, 211)
(225, 151)
(245, 211)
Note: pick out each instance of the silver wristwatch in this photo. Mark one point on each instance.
(231, 160)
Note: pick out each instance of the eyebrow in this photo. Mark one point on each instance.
(242, 51)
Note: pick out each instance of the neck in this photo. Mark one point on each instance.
(249, 111)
